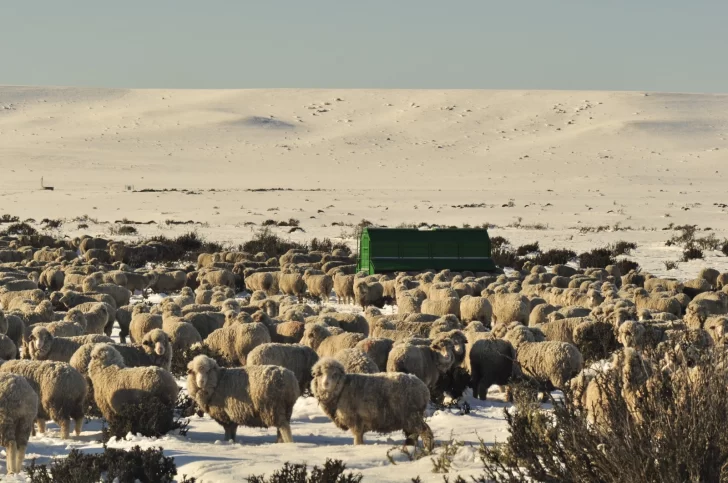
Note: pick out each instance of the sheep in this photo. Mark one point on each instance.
(43, 346)
(205, 322)
(182, 334)
(440, 307)
(297, 358)
(319, 286)
(217, 277)
(260, 281)
(490, 361)
(350, 322)
(383, 402)
(8, 349)
(325, 343)
(73, 324)
(552, 364)
(510, 307)
(93, 283)
(367, 294)
(117, 386)
(142, 322)
(635, 373)
(43, 312)
(234, 342)
(169, 282)
(427, 362)
(7, 296)
(292, 284)
(377, 349)
(643, 300)
(344, 288)
(356, 361)
(18, 410)
(540, 314)
(124, 316)
(61, 392)
(137, 281)
(475, 308)
(258, 396)
(97, 316)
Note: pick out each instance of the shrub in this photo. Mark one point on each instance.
(82, 226)
(144, 466)
(270, 243)
(20, 229)
(555, 256)
(686, 236)
(692, 253)
(671, 265)
(679, 437)
(622, 248)
(626, 265)
(9, 219)
(497, 242)
(150, 418)
(597, 258)
(51, 223)
(123, 230)
(709, 242)
(332, 472)
(269, 223)
(524, 250)
(503, 257)
(724, 248)
(326, 245)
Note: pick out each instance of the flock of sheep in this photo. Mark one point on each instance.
(369, 371)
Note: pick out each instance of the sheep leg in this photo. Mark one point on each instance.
(284, 434)
(41, 425)
(230, 430)
(78, 425)
(19, 458)
(358, 436)
(10, 451)
(428, 440)
(65, 428)
(410, 439)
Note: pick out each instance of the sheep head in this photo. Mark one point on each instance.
(40, 342)
(156, 344)
(202, 376)
(45, 308)
(314, 335)
(444, 352)
(328, 379)
(631, 334)
(77, 317)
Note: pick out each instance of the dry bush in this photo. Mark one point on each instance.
(556, 256)
(151, 418)
(678, 437)
(626, 265)
(524, 250)
(597, 258)
(333, 471)
(692, 253)
(622, 248)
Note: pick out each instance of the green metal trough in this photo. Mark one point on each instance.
(383, 250)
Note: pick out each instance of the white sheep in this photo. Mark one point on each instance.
(18, 410)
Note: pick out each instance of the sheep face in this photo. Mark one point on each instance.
(45, 308)
(202, 375)
(77, 317)
(314, 336)
(445, 354)
(156, 343)
(40, 342)
(328, 379)
(631, 334)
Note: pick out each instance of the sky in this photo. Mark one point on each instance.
(641, 45)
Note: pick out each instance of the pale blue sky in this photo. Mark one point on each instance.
(656, 45)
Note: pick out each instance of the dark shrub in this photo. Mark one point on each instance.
(20, 229)
(692, 253)
(626, 265)
(145, 466)
(269, 223)
(127, 230)
(555, 256)
(724, 248)
(524, 250)
(82, 226)
(51, 223)
(327, 245)
(497, 242)
(597, 258)
(622, 248)
(9, 219)
(504, 257)
(270, 243)
(332, 472)
(150, 418)
(679, 437)
(671, 265)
